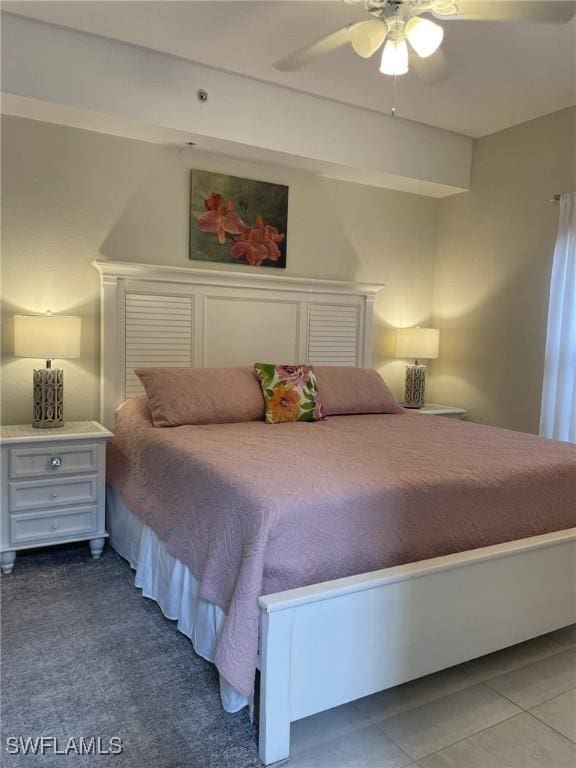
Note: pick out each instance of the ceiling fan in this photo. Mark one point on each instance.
(399, 23)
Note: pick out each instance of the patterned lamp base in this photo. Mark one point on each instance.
(48, 398)
(415, 387)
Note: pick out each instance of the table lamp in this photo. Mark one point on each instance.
(47, 337)
(418, 344)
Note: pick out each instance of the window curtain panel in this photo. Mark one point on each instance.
(558, 417)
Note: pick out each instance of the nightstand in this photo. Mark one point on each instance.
(448, 411)
(53, 487)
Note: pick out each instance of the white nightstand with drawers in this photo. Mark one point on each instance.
(53, 487)
(447, 411)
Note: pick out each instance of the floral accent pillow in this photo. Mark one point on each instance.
(290, 393)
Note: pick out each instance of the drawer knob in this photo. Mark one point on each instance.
(55, 462)
(55, 494)
(54, 525)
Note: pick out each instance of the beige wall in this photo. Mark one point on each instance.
(70, 196)
(494, 256)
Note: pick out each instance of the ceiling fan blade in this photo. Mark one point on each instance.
(433, 69)
(558, 11)
(367, 36)
(315, 50)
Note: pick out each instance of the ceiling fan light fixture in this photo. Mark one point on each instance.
(394, 58)
(424, 36)
(367, 36)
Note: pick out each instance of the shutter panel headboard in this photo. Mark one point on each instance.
(158, 332)
(334, 334)
(179, 317)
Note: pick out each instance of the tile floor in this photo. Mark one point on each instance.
(512, 709)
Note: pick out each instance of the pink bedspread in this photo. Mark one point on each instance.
(255, 508)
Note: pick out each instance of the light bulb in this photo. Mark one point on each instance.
(394, 58)
(424, 36)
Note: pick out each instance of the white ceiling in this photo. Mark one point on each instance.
(502, 73)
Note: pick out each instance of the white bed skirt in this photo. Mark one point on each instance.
(170, 583)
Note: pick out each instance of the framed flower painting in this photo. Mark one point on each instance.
(237, 221)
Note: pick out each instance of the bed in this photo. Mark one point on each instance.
(475, 552)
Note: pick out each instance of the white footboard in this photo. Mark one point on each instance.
(330, 643)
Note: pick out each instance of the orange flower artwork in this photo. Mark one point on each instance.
(220, 218)
(238, 220)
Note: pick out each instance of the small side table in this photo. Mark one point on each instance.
(53, 487)
(448, 411)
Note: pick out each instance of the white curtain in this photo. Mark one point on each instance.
(558, 417)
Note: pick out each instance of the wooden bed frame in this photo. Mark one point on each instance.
(330, 643)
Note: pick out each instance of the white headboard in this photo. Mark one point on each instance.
(180, 317)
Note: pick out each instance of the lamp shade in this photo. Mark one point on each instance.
(394, 58)
(416, 343)
(424, 36)
(47, 337)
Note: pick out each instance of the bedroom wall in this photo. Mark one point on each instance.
(70, 196)
(494, 256)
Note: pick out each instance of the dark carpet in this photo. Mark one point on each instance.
(84, 654)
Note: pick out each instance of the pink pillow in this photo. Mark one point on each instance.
(180, 396)
(354, 391)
